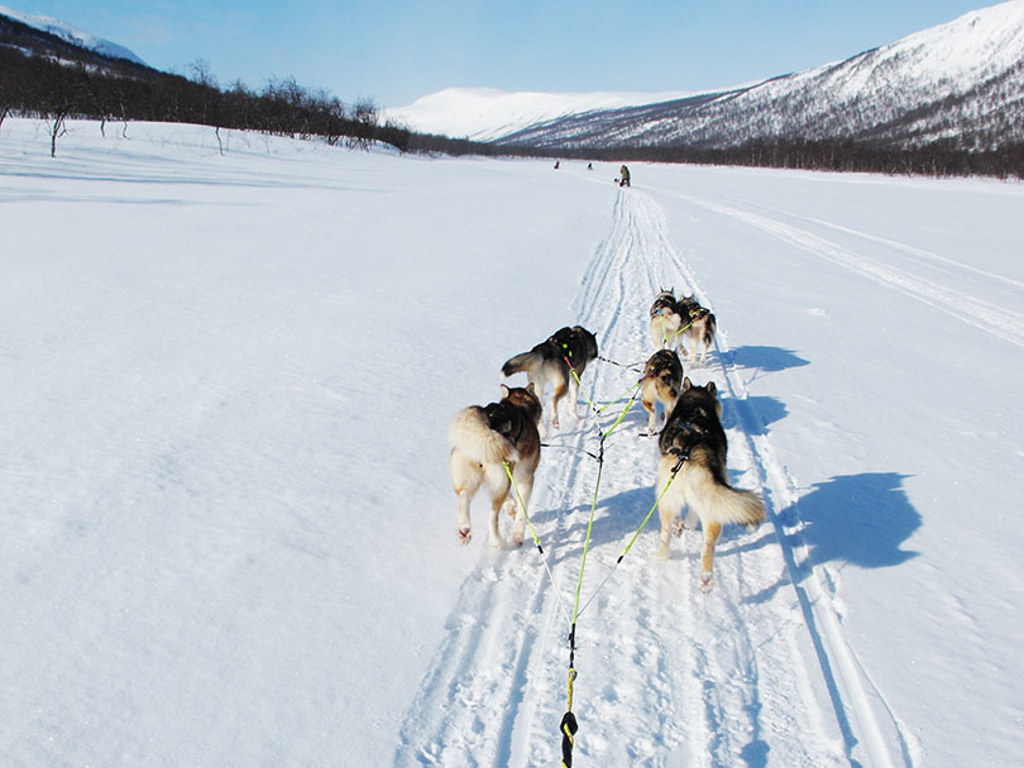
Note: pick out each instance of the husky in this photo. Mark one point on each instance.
(553, 361)
(486, 438)
(663, 376)
(693, 447)
(699, 325)
(665, 320)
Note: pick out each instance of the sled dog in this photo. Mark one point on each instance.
(663, 376)
(665, 320)
(553, 362)
(483, 439)
(699, 326)
(693, 447)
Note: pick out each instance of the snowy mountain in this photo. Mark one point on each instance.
(66, 33)
(487, 114)
(963, 80)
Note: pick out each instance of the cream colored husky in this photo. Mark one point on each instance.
(486, 438)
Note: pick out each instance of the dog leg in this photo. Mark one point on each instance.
(668, 521)
(496, 540)
(574, 396)
(465, 529)
(466, 479)
(510, 508)
(499, 484)
(711, 533)
(560, 390)
(649, 407)
(524, 482)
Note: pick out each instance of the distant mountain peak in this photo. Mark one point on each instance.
(72, 35)
(484, 114)
(961, 81)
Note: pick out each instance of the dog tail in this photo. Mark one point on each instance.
(709, 330)
(471, 434)
(519, 363)
(721, 503)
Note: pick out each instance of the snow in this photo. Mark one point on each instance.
(229, 537)
(959, 55)
(485, 114)
(954, 80)
(72, 35)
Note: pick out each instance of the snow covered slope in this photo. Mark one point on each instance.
(485, 114)
(71, 35)
(227, 532)
(962, 81)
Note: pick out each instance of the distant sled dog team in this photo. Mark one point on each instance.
(499, 444)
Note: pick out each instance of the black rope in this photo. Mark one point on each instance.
(621, 365)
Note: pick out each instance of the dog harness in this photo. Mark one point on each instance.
(505, 419)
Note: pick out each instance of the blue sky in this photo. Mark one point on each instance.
(395, 51)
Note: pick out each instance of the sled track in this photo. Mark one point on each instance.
(1001, 322)
(756, 673)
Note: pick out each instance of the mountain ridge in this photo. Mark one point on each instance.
(54, 28)
(960, 82)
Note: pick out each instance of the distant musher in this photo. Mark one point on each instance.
(623, 176)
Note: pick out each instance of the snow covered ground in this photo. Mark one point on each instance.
(229, 539)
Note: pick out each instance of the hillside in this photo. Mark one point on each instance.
(961, 83)
(487, 114)
(46, 36)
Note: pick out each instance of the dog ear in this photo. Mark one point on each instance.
(531, 389)
(505, 392)
(687, 384)
(712, 389)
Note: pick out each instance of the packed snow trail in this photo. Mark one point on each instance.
(756, 673)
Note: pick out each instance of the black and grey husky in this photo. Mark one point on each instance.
(553, 361)
(663, 377)
(693, 450)
(675, 320)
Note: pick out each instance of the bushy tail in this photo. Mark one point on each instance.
(471, 435)
(716, 502)
(520, 363)
(709, 330)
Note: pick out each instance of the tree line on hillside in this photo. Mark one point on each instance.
(941, 158)
(121, 91)
(118, 90)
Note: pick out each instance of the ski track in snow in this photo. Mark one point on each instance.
(756, 673)
(1001, 322)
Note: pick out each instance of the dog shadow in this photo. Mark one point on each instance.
(862, 520)
(765, 411)
(616, 519)
(858, 519)
(767, 359)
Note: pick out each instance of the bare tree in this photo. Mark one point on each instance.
(202, 73)
(365, 115)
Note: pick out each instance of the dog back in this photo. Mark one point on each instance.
(665, 301)
(693, 430)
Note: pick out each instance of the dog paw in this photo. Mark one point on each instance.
(499, 543)
(707, 581)
(678, 527)
(465, 535)
(516, 541)
(664, 552)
